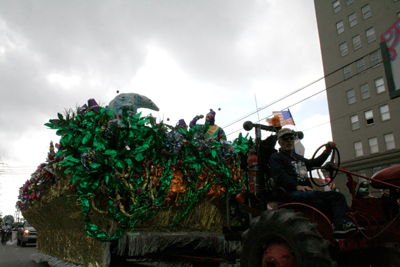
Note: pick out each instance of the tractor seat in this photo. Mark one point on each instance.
(274, 192)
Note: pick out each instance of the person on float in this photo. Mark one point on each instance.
(289, 171)
(213, 129)
(181, 124)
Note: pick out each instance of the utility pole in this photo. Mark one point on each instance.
(4, 169)
(17, 214)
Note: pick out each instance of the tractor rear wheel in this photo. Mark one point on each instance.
(284, 238)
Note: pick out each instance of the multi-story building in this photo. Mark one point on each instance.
(363, 104)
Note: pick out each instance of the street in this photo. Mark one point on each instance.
(12, 255)
(16, 256)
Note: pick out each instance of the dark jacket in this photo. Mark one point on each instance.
(289, 172)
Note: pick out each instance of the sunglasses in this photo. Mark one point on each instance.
(287, 138)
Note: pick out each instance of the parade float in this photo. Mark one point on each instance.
(119, 184)
(123, 188)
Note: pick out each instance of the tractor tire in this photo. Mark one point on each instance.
(289, 229)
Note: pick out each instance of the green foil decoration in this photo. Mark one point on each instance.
(113, 165)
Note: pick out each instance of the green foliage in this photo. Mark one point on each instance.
(124, 167)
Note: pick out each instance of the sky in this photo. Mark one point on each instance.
(234, 56)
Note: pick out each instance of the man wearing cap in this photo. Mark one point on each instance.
(290, 172)
(213, 130)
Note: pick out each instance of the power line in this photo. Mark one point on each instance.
(302, 88)
(346, 115)
(274, 102)
(334, 85)
(330, 87)
(319, 93)
(6, 169)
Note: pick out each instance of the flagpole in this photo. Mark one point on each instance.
(258, 114)
(292, 118)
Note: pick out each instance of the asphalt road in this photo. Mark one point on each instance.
(12, 255)
(16, 256)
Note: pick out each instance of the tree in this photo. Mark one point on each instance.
(8, 219)
(4, 168)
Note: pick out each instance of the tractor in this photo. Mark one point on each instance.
(121, 198)
(276, 233)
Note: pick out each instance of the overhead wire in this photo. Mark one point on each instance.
(17, 170)
(6, 169)
(274, 102)
(317, 94)
(302, 88)
(330, 87)
(346, 115)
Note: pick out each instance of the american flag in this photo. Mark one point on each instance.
(285, 117)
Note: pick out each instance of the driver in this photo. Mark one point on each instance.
(290, 172)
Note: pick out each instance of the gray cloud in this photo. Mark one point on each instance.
(226, 45)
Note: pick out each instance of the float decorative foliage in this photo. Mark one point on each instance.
(130, 168)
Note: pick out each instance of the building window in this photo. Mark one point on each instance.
(366, 11)
(348, 2)
(336, 6)
(356, 42)
(385, 114)
(373, 145)
(358, 149)
(347, 72)
(389, 141)
(375, 170)
(351, 97)
(355, 124)
(370, 35)
(343, 49)
(364, 91)
(340, 27)
(360, 65)
(369, 117)
(353, 20)
(375, 60)
(380, 86)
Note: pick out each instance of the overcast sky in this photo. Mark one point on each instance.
(187, 56)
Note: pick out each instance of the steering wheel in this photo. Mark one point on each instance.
(328, 166)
